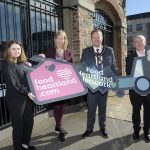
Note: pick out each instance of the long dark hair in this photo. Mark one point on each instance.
(7, 55)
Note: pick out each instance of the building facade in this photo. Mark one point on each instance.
(34, 23)
(138, 24)
(108, 15)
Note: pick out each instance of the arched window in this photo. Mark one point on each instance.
(103, 22)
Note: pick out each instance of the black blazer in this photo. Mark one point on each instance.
(88, 57)
(129, 62)
(16, 83)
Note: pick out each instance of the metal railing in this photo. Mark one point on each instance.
(33, 23)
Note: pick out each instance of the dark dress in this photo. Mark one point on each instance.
(58, 107)
(18, 103)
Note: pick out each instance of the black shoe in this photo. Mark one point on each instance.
(29, 148)
(60, 130)
(61, 137)
(136, 135)
(104, 133)
(87, 133)
(147, 137)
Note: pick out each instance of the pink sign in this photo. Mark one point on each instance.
(53, 81)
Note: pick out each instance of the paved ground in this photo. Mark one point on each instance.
(119, 126)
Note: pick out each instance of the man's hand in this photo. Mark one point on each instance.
(31, 96)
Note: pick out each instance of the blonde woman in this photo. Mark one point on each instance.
(18, 96)
(59, 52)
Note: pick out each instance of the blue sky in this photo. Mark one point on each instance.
(137, 6)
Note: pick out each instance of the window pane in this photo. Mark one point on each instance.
(103, 22)
(33, 25)
(43, 22)
(2, 22)
(130, 41)
(129, 28)
(139, 27)
(11, 23)
(38, 21)
(18, 23)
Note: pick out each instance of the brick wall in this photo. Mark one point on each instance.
(82, 27)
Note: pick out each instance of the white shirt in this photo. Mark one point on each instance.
(138, 70)
(95, 49)
(139, 54)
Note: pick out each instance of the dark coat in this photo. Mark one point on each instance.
(88, 57)
(129, 62)
(16, 83)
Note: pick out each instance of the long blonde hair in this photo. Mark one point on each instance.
(7, 55)
(62, 32)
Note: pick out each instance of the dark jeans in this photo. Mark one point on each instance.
(137, 101)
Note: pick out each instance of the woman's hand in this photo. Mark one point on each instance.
(42, 55)
(31, 96)
(28, 63)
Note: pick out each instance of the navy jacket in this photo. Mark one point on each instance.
(88, 57)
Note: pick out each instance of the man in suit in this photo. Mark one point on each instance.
(138, 100)
(97, 56)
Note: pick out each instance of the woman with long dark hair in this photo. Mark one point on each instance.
(18, 96)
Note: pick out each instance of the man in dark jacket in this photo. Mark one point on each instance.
(138, 100)
(99, 57)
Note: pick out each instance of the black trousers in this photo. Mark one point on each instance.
(94, 100)
(22, 122)
(137, 101)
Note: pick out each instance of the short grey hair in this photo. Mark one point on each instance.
(143, 39)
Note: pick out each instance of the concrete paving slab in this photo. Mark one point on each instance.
(119, 126)
(120, 135)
